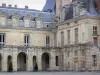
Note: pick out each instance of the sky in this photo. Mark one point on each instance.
(32, 4)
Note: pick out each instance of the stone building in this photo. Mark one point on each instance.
(68, 40)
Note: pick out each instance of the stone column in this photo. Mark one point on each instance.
(39, 59)
(65, 60)
(79, 61)
(4, 63)
(14, 62)
(14, 59)
(52, 62)
(39, 62)
(29, 63)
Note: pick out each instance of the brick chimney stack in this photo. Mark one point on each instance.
(3, 4)
(26, 7)
(98, 5)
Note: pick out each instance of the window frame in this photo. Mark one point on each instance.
(26, 39)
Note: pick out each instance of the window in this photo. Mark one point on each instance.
(68, 53)
(95, 40)
(68, 65)
(62, 38)
(47, 25)
(26, 39)
(94, 57)
(15, 22)
(47, 41)
(57, 61)
(83, 52)
(76, 53)
(94, 30)
(83, 65)
(76, 36)
(68, 37)
(2, 38)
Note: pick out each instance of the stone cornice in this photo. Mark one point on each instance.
(77, 19)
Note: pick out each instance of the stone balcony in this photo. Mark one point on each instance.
(26, 48)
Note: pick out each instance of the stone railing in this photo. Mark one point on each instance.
(12, 47)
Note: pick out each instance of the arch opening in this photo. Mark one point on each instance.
(21, 62)
(9, 63)
(34, 62)
(45, 61)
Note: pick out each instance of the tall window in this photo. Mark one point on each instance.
(62, 38)
(76, 36)
(68, 53)
(47, 41)
(26, 39)
(2, 38)
(94, 58)
(68, 37)
(76, 53)
(83, 52)
(94, 30)
(57, 61)
(95, 40)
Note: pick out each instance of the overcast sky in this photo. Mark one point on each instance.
(32, 4)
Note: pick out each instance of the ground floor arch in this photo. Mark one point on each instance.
(45, 61)
(22, 62)
(9, 62)
(75, 66)
(34, 62)
(0, 62)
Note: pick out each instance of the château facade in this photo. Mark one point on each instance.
(64, 36)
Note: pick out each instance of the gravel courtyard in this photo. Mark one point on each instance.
(50, 73)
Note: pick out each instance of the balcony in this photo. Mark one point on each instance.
(95, 33)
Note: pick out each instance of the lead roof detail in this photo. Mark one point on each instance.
(45, 16)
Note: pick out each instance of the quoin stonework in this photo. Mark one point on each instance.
(64, 36)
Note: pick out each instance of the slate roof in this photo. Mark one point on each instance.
(88, 4)
(50, 4)
(46, 17)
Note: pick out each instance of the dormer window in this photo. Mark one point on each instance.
(47, 25)
(21, 18)
(10, 17)
(3, 21)
(33, 19)
(26, 22)
(15, 19)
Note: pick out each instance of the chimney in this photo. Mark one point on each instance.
(3, 4)
(98, 5)
(26, 7)
(10, 5)
(15, 6)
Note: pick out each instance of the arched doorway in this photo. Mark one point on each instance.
(76, 66)
(9, 62)
(45, 61)
(21, 62)
(0, 62)
(34, 62)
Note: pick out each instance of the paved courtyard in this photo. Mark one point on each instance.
(50, 73)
